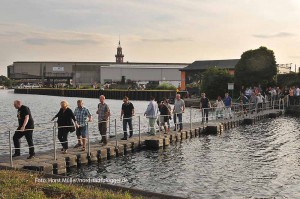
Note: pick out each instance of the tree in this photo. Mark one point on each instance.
(215, 82)
(256, 67)
(4, 81)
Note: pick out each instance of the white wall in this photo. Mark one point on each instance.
(140, 74)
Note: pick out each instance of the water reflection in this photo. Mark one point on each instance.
(259, 161)
(43, 108)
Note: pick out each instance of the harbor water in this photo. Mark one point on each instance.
(256, 161)
(259, 161)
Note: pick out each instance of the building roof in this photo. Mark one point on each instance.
(206, 64)
(124, 64)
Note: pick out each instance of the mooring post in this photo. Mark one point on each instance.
(54, 139)
(10, 149)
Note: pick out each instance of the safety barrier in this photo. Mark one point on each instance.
(215, 114)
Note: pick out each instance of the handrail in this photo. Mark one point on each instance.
(237, 110)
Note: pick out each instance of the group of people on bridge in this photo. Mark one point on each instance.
(159, 113)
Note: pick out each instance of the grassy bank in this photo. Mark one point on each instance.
(17, 184)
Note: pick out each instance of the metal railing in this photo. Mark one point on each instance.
(215, 114)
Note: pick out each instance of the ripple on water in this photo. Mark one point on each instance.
(259, 161)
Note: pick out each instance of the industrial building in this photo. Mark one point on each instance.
(87, 73)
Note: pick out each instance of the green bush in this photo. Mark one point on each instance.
(166, 86)
(215, 82)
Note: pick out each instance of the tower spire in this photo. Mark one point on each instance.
(119, 56)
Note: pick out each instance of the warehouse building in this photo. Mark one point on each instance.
(87, 73)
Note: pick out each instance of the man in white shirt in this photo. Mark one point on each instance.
(178, 109)
(151, 114)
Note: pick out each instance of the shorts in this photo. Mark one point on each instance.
(81, 131)
(163, 119)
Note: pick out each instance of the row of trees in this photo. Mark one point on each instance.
(4, 81)
(256, 67)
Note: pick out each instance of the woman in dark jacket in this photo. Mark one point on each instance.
(65, 122)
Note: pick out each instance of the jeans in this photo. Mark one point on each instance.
(129, 122)
(152, 126)
(205, 114)
(259, 107)
(28, 135)
(179, 115)
(228, 112)
(62, 136)
(102, 126)
(292, 100)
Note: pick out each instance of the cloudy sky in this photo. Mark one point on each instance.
(150, 30)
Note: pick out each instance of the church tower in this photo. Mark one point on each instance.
(119, 55)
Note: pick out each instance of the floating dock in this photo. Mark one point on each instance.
(45, 162)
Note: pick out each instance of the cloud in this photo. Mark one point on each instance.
(277, 35)
(33, 35)
(167, 40)
(294, 57)
(46, 41)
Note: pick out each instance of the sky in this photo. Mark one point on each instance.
(180, 31)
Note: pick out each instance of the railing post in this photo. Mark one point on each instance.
(116, 133)
(88, 138)
(54, 139)
(139, 130)
(159, 124)
(191, 119)
(10, 150)
(109, 126)
(202, 116)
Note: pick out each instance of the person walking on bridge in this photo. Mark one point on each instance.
(26, 126)
(127, 112)
(65, 121)
(151, 114)
(204, 107)
(178, 110)
(228, 104)
(103, 114)
(82, 114)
